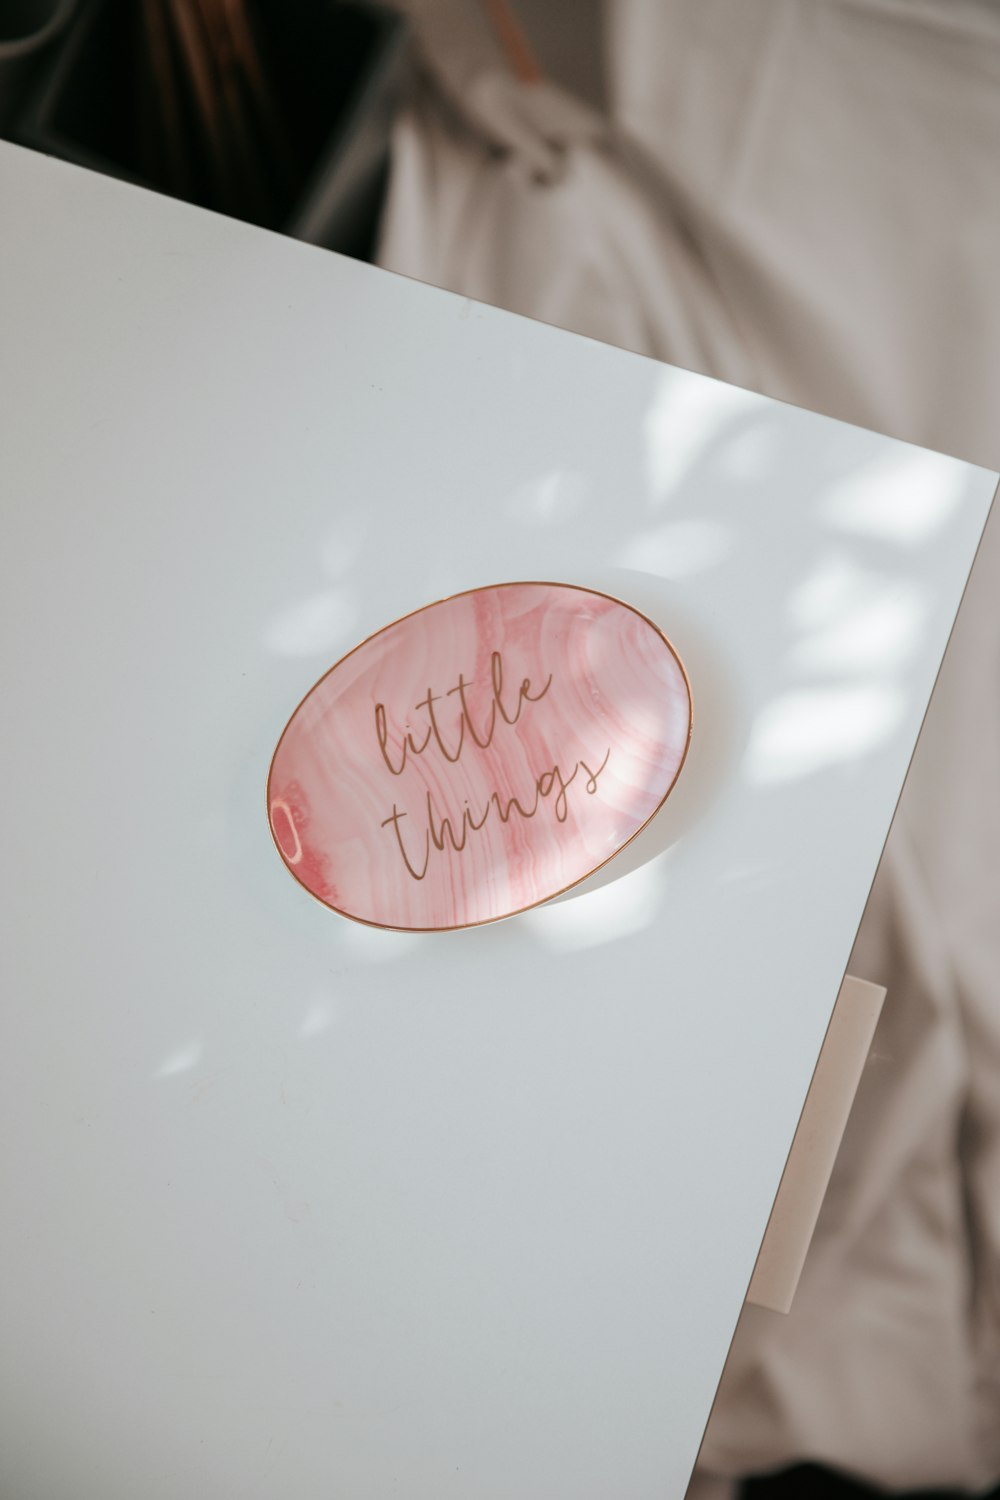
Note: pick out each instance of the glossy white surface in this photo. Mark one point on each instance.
(295, 1208)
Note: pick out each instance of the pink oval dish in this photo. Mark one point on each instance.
(479, 756)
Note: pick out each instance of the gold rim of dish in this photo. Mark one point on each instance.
(488, 588)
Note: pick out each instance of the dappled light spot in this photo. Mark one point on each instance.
(182, 1060)
(679, 549)
(592, 918)
(803, 732)
(903, 496)
(319, 623)
(685, 420)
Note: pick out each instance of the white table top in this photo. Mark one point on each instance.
(297, 1208)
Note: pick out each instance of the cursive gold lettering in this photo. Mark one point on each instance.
(524, 694)
(442, 833)
(464, 725)
(449, 833)
(460, 688)
(382, 735)
(394, 820)
(429, 703)
(590, 785)
(445, 833)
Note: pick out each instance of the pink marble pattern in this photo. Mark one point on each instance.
(479, 756)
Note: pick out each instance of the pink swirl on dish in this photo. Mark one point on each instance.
(479, 756)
